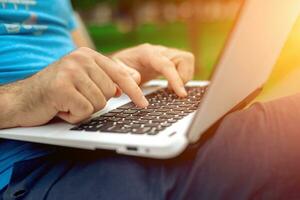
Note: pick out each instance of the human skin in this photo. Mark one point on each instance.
(81, 83)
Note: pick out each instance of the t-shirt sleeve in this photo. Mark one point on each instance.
(72, 20)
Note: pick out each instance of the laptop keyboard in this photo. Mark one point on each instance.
(165, 108)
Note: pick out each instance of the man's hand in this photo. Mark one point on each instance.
(73, 89)
(148, 61)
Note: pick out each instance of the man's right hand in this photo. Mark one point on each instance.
(73, 89)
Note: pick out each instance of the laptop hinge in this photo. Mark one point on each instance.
(209, 132)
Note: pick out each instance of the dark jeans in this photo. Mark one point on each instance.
(255, 154)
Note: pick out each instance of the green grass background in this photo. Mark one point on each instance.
(283, 81)
(108, 39)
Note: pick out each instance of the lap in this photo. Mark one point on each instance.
(253, 154)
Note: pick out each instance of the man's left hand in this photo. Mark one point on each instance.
(148, 61)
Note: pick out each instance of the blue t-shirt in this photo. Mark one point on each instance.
(33, 34)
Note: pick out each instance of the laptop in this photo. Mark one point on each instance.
(165, 128)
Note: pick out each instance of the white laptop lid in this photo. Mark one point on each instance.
(247, 60)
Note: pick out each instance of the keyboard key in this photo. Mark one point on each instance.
(132, 126)
(152, 125)
(127, 106)
(109, 114)
(173, 112)
(92, 128)
(114, 119)
(148, 117)
(166, 116)
(130, 111)
(158, 120)
(141, 130)
(132, 118)
(172, 120)
(141, 121)
(153, 107)
(136, 108)
(106, 127)
(156, 114)
(163, 110)
(116, 111)
(119, 129)
(153, 131)
(179, 109)
(139, 115)
(77, 129)
(166, 124)
(124, 121)
(146, 111)
(122, 115)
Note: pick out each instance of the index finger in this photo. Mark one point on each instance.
(167, 68)
(122, 78)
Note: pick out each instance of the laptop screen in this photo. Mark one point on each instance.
(247, 60)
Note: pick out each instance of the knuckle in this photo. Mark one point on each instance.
(109, 90)
(58, 85)
(146, 45)
(147, 50)
(74, 55)
(84, 49)
(87, 109)
(89, 66)
(69, 71)
(189, 56)
(160, 47)
(79, 56)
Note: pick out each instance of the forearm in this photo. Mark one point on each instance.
(8, 105)
(81, 36)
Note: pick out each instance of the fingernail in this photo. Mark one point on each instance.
(146, 103)
(183, 91)
(118, 92)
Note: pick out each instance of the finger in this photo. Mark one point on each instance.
(128, 85)
(103, 81)
(132, 72)
(167, 68)
(91, 92)
(136, 76)
(184, 62)
(77, 106)
(122, 78)
(185, 71)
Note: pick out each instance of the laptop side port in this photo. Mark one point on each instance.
(131, 148)
(172, 134)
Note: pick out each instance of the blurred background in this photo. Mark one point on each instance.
(199, 26)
